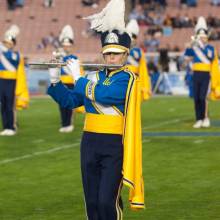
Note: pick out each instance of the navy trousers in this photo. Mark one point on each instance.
(7, 100)
(66, 114)
(101, 166)
(200, 89)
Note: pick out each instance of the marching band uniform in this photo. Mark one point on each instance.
(66, 39)
(13, 85)
(137, 61)
(111, 142)
(204, 59)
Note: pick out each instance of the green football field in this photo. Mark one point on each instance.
(40, 169)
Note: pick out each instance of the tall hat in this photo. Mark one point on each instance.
(201, 29)
(110, 22)
(11, 34)
(67, 36)
(133, 28)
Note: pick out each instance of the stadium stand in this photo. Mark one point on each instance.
(180, 36)
(37, 22)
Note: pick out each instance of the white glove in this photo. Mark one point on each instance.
(73, 68)
(54, 75)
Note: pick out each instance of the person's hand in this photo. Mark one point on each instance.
(54, 75)
(73, 68)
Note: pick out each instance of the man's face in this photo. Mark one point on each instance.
(115, 58)
(204, 39)
(68, 49)
(9, 45)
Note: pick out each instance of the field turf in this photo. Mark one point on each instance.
(40, 169)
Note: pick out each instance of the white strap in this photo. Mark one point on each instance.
(201, 55)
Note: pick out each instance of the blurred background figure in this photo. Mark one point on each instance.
(20, 3)
(11, 4)
(64, 53)
(13, 85)
(48, 3)
(137, 60)
(203, 56)
(92, 3)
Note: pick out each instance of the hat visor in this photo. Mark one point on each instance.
(113, 50)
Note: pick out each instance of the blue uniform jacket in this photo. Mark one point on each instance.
(201, 55)
(9, 59)
(100, 92)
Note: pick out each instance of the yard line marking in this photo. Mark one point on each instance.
(171, 110)
(38, 153)
(198, 141)
(181, 134)
(163, 123)
(6, 161)
(146, 140)
(38, 141)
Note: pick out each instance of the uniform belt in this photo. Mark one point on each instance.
(107, 124)
(5, 74)
(66, 79)
(202, 67)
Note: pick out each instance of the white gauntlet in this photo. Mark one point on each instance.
(73, 67)
(54, 75)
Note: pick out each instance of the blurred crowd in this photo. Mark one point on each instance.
(14, 4)
(157, 22)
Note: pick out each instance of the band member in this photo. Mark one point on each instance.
(204, 58)
(111, 143)
(137, 60)
(13, 85)
(66, 39)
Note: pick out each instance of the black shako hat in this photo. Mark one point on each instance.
(202, 32)
(115, 42)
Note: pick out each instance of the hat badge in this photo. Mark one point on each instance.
(202, 32)
(111, 38)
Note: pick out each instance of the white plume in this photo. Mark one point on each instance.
(111, 17)
(67, 32)
(132, 27)
(201, 24)
(12, 32)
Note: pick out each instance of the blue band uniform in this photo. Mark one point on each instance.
(110, 100)
(13, 85)
(138, 65)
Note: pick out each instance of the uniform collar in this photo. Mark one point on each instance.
(111, 73)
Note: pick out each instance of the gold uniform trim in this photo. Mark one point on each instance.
(86, 89)
(117, 205)
(201, 67)
(93, 91)
(66, 79)
(96, 108)
(97, 76)
(117, 71)
(5, 74)
(107, 124)
(117, 110)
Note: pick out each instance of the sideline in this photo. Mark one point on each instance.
(181, 134)
(38, 153)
